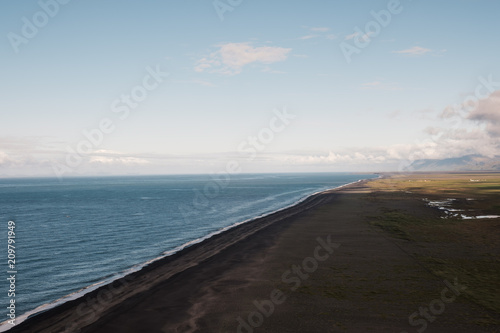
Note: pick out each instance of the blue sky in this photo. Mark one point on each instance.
(219, 82)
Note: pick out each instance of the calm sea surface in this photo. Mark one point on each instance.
(82, 231)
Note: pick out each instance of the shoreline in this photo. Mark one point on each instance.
(386, 255)
(86, 298)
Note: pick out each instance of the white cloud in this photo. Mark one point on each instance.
(111, 157)
(318, 32)
(308, 37)
(230, 58)
(204, 64)
(464, 132)
(477, 132)
(351, 36)
(361, 38)
(320, 29)
(440, 52)
(354, 157)
(451, 143)
(449, 112)
(414, 51)
(487, 111)
(4, 158)
(268, 69)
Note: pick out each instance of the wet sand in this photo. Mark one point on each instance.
(320, 266)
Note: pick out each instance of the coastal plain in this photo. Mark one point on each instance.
(374, 256)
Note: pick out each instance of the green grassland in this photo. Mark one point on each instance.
(450, 247)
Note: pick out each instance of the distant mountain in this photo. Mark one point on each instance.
(464, 163)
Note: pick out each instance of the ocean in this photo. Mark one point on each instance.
(71, 236)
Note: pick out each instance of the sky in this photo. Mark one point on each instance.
(201, 86)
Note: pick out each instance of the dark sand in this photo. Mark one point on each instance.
(370, 282)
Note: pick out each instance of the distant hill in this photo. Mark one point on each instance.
(464, 163)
